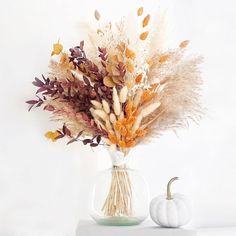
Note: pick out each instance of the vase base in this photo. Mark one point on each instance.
(119, 221)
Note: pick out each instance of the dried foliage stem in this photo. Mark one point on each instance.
(119, 199)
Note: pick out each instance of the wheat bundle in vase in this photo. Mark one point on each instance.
(119, 89)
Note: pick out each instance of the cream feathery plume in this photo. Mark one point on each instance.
(101, 114)
(96, 104)
(112, 118)
(116, 102)
(123, 94)
(145, 112)
(105, 106)
(137, 98)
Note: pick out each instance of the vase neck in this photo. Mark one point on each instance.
(118, 158)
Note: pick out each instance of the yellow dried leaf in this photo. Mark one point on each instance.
(52, 135)
(57, 48)
(97, 15)
(121, 47)
(140, 11)
(129, 67)
(115, 71)
(108, 82)
(184, 44)
(114, 59)
(146, 20)
(130, 54)
(143, 35)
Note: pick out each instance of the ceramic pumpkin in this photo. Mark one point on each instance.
(170, 210)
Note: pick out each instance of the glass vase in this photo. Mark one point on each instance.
(120, 195)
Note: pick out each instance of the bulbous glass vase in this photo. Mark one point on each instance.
(120, 195)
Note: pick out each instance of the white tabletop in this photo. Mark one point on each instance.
(90, 228)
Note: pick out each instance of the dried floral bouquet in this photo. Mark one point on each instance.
(120, 89)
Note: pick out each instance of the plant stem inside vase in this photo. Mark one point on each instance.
(119, 200)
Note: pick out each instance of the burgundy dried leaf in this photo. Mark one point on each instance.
(59, 131)
(39, 103)
(66, 130)
(32, 102)
(98, 139)
(86, 141)
(86, 80)
(37, 82)
(71, 141)
(93, 144)
(79, 134)
(49, 108)
(30, 107)
(45, 80)
(41, 90)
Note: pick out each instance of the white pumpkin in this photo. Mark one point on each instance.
(170, 210)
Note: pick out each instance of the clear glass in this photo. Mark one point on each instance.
(120, 196)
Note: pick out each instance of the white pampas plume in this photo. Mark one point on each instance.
(96, 104)
(123, 94)
(112, 118)
(137, 98)
(145, 112)
(116, 102)
(106, 106)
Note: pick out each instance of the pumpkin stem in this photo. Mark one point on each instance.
(169, 195)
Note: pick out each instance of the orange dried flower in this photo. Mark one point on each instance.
(128, 108)
(153, 86)
(150, 62)
(130, 121)
(164, 58)
(129, 136)
(141, 132)
(123, 131)
(112, 138)
(146, 20)
(147, 96)
(138, 78)
(122, 144)
(130, 54)
(131, 143)
(140, 11)
(143, 35)
(184, 44)
(118, 126)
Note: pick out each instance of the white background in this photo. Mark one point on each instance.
(44, 186)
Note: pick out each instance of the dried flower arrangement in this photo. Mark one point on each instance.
(122, 89)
